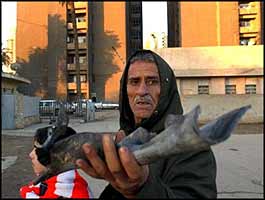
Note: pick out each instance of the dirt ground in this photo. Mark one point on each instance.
(21, 172)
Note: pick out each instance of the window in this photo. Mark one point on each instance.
(203, 86)
(70, 39)
(81, 39)
(8, 90)
(135, 9)
(82, 59)
(245, 23)
(71, 91)
(244, 5)
(136, 35)
(80, 19)
(250, 89)
(203, 89)
(70, 59)
(71, 79)
(230, 89)
(244, 41)
(136, 21)
(82, 78)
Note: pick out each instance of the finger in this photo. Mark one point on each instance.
(97, 164)
(112, 159)
(86, 168)
(131, 167)
(119, 136)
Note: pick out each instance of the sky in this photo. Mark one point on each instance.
(154, 18)
(8, 19)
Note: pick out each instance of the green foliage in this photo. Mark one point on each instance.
(6, 60)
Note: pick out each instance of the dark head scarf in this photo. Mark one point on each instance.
(169, 101)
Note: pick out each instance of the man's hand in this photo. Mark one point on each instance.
(120, 169)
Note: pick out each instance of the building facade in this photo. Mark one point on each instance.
(215, 23)
(250, 22)
(109, 32)
(219, 78)
(40, 48)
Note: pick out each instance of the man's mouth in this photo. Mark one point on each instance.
(143, 103)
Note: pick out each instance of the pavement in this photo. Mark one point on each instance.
(239, 159)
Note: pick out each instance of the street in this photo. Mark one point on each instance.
(239, 161)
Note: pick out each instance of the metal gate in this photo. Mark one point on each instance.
(8, 111)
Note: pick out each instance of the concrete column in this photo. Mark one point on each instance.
(19, 111)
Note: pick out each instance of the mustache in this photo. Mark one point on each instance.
(143, 99)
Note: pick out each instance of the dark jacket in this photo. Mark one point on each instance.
(187, 175)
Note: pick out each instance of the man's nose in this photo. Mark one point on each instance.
(142, 89)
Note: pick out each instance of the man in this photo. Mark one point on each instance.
(148, 93)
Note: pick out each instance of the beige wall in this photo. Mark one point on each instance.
(218, 57)
(199, 64)
(213, 106)
(239, 65)
(217, 85)
(189, 86)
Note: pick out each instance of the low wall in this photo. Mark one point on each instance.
(213, 106)
(22, 112)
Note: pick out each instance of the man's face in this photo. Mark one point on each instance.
(143, 89)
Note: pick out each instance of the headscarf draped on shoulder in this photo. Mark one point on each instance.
(169, 101)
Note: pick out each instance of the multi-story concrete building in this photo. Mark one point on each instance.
(45, 47)
(214, 23)
(108, 32)
(250, 22)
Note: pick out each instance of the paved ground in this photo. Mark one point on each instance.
(239, 160)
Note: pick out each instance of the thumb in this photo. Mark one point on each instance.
(120, 135)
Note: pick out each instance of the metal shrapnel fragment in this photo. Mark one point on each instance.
(181, 134)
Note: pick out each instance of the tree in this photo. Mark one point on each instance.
(71, 6)
(6, 60)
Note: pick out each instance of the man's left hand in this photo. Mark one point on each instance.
(120, 169)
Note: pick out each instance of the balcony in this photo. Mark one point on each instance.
(80, 45)
(248, 29)
(72, 86)
(72, 67)
(79, 5)
(80, 25)
(247, 11)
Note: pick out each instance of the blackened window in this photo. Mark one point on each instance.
(71, 78)
(203, 89)
(250, 89)
(230, 89)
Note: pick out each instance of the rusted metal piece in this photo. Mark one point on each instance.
(181, 134)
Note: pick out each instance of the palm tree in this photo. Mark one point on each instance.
(71, 6)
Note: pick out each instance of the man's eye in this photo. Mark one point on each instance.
(133, 82)
(152, 82)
